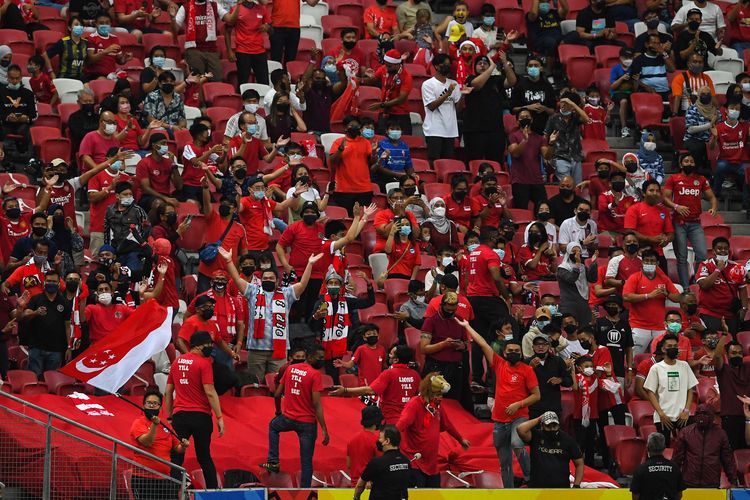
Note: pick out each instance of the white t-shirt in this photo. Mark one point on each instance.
(468, 28)
(570, 230)
(613, 266)
(442, 122)
(548, 226)
(233, 127)
(268, 100)
(671, 384)
(712, 20)
(429, 280)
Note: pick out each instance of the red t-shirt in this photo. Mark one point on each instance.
(393, 86)
(163, 444)
(106, 64)
(247, 29)
(99, 209)
(188, 374)
(420, 433)
(360, 450)
(543, 268)
(460, 213)
(254, 220)
(369, 362)
(512, 384)
(226, 307)
(649, 314)
(705, 370)
(395, 386)
(103, 320)
(29, 278)
(612, 218)
(649, 221)
(43, 87)
(129, 6)
(404, 257)
(191, 174)
(627, 266)
(383, 19)
(597, 128)
(593, 398)
(597, 186)
(606, 399)
(12, 232)
(96, 146)
(383, 218)
(716, 301)
(131, 138)
(481, 283)
(495, 214)
(64, 195)
(302, 241)
(300, 381)
(732, 141)
(235, 240)
(354, 59)
(464, 310)
(254, 151)
(644, 367)
(196, 324)
(353, 169)
(687, 191)
(684, 347)
(159, 173)
(285, 14)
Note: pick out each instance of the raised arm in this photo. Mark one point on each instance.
(299, 288)
(486, 349)
(232, 270)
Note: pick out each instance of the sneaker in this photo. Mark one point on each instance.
(625, 132)
(727, 184)
(274, 468)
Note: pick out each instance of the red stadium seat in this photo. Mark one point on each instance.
(7, 36)
(709, 220)
(348, 380)
(394, 287)
(645, 431)
(374, 310)
(61, 384)
(296, 69)
(22, 47)
(615, 434)
(488, 480)
(607, 55)
(648, 109)
(642, 412)
(742, 460)
(437, 189)
(19, 378)
(304, 50)
(192, 240)
(580, 71)
(213, 89)
(601, 79)
(413, 336)
(271, 382)
(353, 11)
(218, 115)
(444, 167)
(151, 40)
(566, 51)
(44, 38)
(677, 132)
(629, 455)
(250, 390)
(101, 88)
(551, 287)
(333, 24)
(39, 134)
(233, 101)
(55, 148)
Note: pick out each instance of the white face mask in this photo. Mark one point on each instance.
(251, 108)
(447, 261)
(439, 211)
(649, 146)
(110, 128)
(420, 299)
(126, 201)
(105, 298)
(588, 371)
(649, 268)
(721, 258)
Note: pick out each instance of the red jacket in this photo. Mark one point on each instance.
(701, 455)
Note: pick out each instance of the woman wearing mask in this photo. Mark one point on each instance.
(649, 159)
(6, 57)
(574, 276)
(415, 202)
(700, 127)
(283, 119)
(537, 257)
(300, 173)
(443, 231)
(71, 52)
(64, 235)
(164, 224)
(129, 131)
(157, 58)
(403, 252)
(543, 216)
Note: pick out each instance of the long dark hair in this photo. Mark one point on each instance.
(297, 168)
(273, 116)
(542, 231)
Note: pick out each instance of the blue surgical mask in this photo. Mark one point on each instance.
(163, 150)
(472, 247)
(489, 20)
(252, 129)
(500, 253)
(649, 268)
(733, 114)
(77, 30)
(158, 61)
(294, 158)
(406, 230)
(544, 7)
(534, 72)
(394, 135)
(329, 68)
(541, 323)
(14, 86)
(368, 133)
(104, 29)
(259, 195)
(552, 309)
(117, 165)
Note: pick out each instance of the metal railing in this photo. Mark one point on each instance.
(48, 456)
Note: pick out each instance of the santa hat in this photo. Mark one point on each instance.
(393, 56)
(469, 42)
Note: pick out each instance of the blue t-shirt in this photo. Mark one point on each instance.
(400, 156)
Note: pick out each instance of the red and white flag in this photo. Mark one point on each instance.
(110, 362)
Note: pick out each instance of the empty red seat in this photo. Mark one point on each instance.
(19, 378)
(59, 383)
(580, 71)
(333, 24)
(213, 89)
(614, 434)
(629, 455)
(647, 109)
(566, 51)
(606, 55)
(642, 412)
(444, 167)
(58, 147)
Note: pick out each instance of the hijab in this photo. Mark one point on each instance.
(645, 155)
(581, 284)
(441, 224)
(4, 51)
(708, 111)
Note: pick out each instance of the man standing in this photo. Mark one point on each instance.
(526, 146)
(613, 332)
(298, 412)
(563, 134)
(733, 378)
(190, 397)
(658, 478)
(101, 193)
(669, 388)
(389, 473)
(516, 388)
(551, 452)
(534, 94)
(201, 22)
(441, 97)
(682, 193)
(553, 373)
(562, 206)
(580, 229)
(125, 228)
(723, 293)
(650, 221)
(286, 29)
(351, 159)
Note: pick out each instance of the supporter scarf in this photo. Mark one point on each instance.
(463, 70)
(267, 216)
(278, 322)
(231, 312)
(75, 319)
(336, 329)
(391, 81)
(190, 24)
(432, 408)
(587, 389)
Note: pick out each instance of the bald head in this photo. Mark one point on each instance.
(567, 182)
(107, 123)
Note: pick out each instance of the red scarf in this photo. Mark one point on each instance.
(231, 326)
(278, 319)
(432, 409)
(587, 389)
(75, 316)
(391, 81)
(212, 15)
(463, 70)
(336, 331)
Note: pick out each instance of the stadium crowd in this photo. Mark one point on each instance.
(258, 167)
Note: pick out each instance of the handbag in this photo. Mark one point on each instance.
(210, 251)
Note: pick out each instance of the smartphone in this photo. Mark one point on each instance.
(189, 219)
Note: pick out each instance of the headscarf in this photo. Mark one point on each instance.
(708, 111)
(644, 154)
(581, 285)
(441, 224)
(4, 51)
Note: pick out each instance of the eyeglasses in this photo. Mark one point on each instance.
(152, 404)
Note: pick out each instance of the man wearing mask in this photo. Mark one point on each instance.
(23, 249)
(82, 121)
(657, 477)
(692, 324)
(396, 83)
(200, 23)
(551, 452)
(157, 172)
(651, 222)
(686, 85)
(580, 229)
(595, 25)
(516, 389)
(700, 15)
(15, 224)
(46, 321)
(613, 204)
(105, 316)
(280, 83)
(125, 225)
(248, 147)
(458, 203)
(722, 296)
(647, 292)
(229, 310)
(613, 332)
(250, 20)
(488, 207)
(351, 159)
(104, 51)
(166, 105)
(257, 212)
(733, 377)
(683, 193)
(385, 218)
(319, 96)
(553, 373)
(534, 94)
(563, 205)
(191, 395)
(441, 97)
(389, 473)
(250, 103)
(563, 134)
(669, 388)
(651, 20)
(543, 22)
(101, 193)
(649, 69)
(299, 410)
(349, 55)
(731, 137)
(621, 267)
(96, 145)
(702, 450)
(526, 146)
(449, 283)
(18, 108)
(202, 321)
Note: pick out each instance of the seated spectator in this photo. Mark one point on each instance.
(157, 172)
(415, 202)
(543, 216)
(487, 32)
(427, 38)
(198, 156)
(595, 25)
(40, 82)
(537, 257)
(248, 147)
(687, 84)
(82, 121)
(301, 176)
(137, 18)
(579, 228)
(412, 311)
(648, 159)
(104, 52)
(443, 232)
(563, 205)
(700, 123)
(257, 211)
(613, 205)
(130, 134)
(105, 316)
(6, 59)
(18, 109)
(24, 248)
(380, 20)
(711, 19)
(705, 354)
(395, 158)
(651, 20)
(164, 104)
(650, 68)
(282, 119)
(574, 276)
(406, 13)
(251, 104)
(697, 37)
(149, 79)
(543, 23)
(403, 253)
(535, 94)
(621, 85)
(731, 136)
(71, 51)
(488, 207)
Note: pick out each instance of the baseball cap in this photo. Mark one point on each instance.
(457, 31)
(543, 312)
(204, 299)
(550, 417)
(57, 162)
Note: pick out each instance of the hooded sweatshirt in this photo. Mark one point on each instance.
(650, 161)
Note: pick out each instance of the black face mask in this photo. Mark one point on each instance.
(459, 196)
(151, 412)
(569, 329)
(319, 84)
(446, 314)
(410, 191)
(224, 210)
(207, 350)
(632, 248)
(248, 270)
(58, 220)
(603, 174)
(240, 173)
(296, 361)
(612, 310)
(673, 352)
(540, 355)
(583, 216)
(586, 344)
(207, 313)
(378, 444)
(544, 216)
(736, 361)
(13, 213)
(524, 122)
(566, 193)
(489, 191)
(371, 340)
(219, 286)
(691, 309)
(631, 167)
(535, 239)
(167, 88)
(39, 231)
(309, 219)
(652, 24)
(688, 169)
(444, 69)
(513, 357)
(318, 364)
(87, 109)
(353, 131)
(71, 285)
(268, 286)
(550, 434)
(618, 186)
(172, 218)
(694, 25)
(349, 45)
(283, 107)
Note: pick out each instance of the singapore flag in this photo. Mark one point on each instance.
(111, 361)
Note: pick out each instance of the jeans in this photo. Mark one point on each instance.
(642, 339)
(280, 224)
(307, 434)
(284, 44)
(738, 46)
(40, 360)
(723, 167)
(572, 168)
(199, 425)
(692, 231)
(506, 441)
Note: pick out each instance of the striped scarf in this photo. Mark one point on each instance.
(336, 330)
(278, 322)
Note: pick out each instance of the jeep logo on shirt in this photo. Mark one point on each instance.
(689, 192)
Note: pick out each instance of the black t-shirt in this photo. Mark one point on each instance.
(527, 92)
(550, 459)
(484, 107)
(594, 22)
(705, 45)
(545, 25)
(562, 209)
(616, 337)
(48, 332)
(657, 479)
(389, 475)
(639, 47)
(87, 9)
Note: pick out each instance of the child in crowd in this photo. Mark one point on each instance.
(41, 83)
(598, 114)
(363, 446)
(649, 159)
(426, 38)
(622, 85)
(586, 404)
(412, 311)
(368, 357)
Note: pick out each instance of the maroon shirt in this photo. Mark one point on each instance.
(526, 168)
(443, 328)
(732, 381)
(701, 455)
